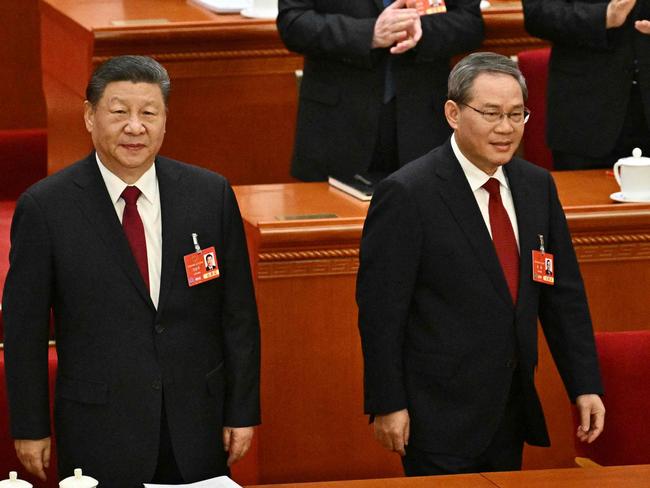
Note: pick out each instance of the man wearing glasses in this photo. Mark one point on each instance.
(449, 295)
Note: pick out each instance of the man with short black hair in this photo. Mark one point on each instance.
(449, 296)
(157, 380)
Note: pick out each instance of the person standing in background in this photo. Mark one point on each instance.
(599, 78)
(374, 82)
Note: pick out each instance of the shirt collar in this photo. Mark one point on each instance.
(147, 183)
(476, 177)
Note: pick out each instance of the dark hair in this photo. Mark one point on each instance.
(137, 69)
(462, 76)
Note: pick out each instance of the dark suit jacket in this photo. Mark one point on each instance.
(343, 82)
(117, 354)
(439, 331)
(590, 72)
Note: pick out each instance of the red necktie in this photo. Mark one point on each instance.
(503, 237)
(134, 230)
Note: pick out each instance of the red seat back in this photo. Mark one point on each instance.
(625, 366)
(23, 160)
(534, 66)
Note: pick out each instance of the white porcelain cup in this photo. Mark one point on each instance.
(265, 4)
(633, 176)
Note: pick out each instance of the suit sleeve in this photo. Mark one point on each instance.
(348, 39)
(457, 31)
(564, 312)
(241, 333)
(567, 23)
(389, 257)
(26, 311)
(337, 36)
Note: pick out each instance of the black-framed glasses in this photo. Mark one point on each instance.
(493, 116)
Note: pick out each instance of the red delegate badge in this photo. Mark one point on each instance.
(201, 266)
(543, 268)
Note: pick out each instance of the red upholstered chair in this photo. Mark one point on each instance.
(23, 160)
(8, 459)
(625, 366)
(534, 66)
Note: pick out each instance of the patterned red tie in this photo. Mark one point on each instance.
(134, 230)
(503, 237)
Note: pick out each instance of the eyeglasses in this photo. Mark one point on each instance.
(492, 116)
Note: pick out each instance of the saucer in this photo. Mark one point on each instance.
(260, 13)
(620, 197)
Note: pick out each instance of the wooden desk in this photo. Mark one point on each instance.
(455, 481)
(615, 477)
(304, 270)
(234, 97)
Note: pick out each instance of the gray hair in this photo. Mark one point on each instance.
(137, 69)
(467, 70)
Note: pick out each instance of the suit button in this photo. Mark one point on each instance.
(159, 328)
(156, 385)
(511, 363)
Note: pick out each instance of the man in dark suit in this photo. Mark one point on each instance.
(374, 82)
(448, 308)
(156, 381)
(599, 78)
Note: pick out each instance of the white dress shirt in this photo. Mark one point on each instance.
(476, 179)
(149, 209)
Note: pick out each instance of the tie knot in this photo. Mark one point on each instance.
(131, 194)
(492, 186)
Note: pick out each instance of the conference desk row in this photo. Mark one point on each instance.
(615, 477)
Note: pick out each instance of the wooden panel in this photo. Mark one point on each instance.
(23, 104)
(311, 357)
(234, 97)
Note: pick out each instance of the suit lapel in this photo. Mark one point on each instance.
(379, 4)
(173, 214)
(95, 204)
(460, 200)
(526, 222)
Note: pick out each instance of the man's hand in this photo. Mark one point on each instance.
(643, 26)
(34, 455)
(236, 442)
(617, 12)
(413, 36)
(592, 417)
(396, 25)
(392, 430)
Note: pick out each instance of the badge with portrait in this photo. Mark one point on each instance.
(543, 268)
(201, 266)
(428, 7)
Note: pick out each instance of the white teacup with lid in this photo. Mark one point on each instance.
(78, 481)
(633, 176)
(261, 9)
(14, 482)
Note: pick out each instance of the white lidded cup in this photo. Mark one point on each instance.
(78, 480)
(262, 9)
(633, 176)
(14, 482)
